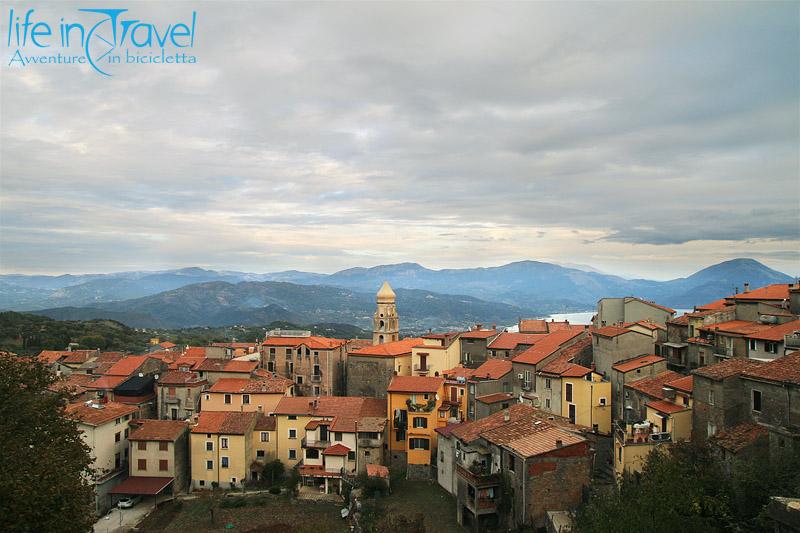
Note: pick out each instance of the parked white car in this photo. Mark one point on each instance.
(128, 502)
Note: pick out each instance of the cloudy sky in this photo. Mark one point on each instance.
(644, 139)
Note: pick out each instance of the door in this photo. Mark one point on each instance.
(174, 413)
(323, 433)
(453, 394)
(572, 413)
(663, 424)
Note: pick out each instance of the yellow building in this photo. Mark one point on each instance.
(436, 353)
(330, 437)
(586, 398)
(667, 420)
(222, 449)
(265, 444)
(246, 395)
(455, 392)
(414, 414)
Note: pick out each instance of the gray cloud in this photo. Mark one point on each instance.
(320, 136)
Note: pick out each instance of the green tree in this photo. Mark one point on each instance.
(44, 464)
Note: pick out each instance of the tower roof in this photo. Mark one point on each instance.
(386, 294)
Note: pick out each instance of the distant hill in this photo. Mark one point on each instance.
(220, 303)
(526, 287)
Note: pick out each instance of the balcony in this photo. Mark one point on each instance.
(311, 443)
(316, 378)
(478, 476)
(640, 433)
(421, 369)
(526, 385)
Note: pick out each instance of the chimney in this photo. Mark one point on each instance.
(746, 286)
(478, 327)
(506, 416)
(494, 326)
(559, 443)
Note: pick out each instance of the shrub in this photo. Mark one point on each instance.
(275, 489)
(232, 503)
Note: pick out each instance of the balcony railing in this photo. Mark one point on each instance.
(643, 434)
(369, 443)
(311, 443)
(316, 378)
(478, 477)
(422, 369)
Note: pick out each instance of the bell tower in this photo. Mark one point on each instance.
(385, 327)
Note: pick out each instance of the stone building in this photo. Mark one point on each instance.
(630, 371)
(371, 369)
(613, 344)
(386, 323)
(178, 394)
(473, 345)
(316, 365)
(617, 311)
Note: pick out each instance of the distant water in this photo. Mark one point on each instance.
(584, 317)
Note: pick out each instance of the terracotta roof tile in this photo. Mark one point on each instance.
(547, 346)
(227, 423)
(575, 371)
(776, 333)
(492, 369)
(52, 356)
(739, 437)
(664, 406)
(178, 377)
(336, 449)
(73, 383)
(94, 417)
(639, 362)
(415, 384)
(611, 331)
(684, 384)
(265, 423)
(127, 366)
(727, 368)
(275, 385)
(380, 471)
(654, 386)
(168, 430)
(510, 341)
(391, 349)
(479, 334)
(107, 382)
(497, 397)
(713, 306)
(313, 342)
(784, 369)
(737, 327)
(195, 351)
(344, 411)
(778, 291)
(459, 372)
(223, 365)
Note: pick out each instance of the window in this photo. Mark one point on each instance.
(419, 444)
(245, 399)
(546, 383)
(299, 380)
(271, 366)
(209, 446)
(292, 433)
(511, 463)
(117, 421)
(547, 403)
(771, 347)
(163, 446)
(202, 483)
(426, 396)
(311, 453)
(603, 401)
(260, 454)
(209, 465)
(292, 454)
(753, 344)
(117, 437)
(163, 465)
(351, 456)
(420, 422)
(127, 431)
(272, 351)
(292, 417)
(208, 397)
(568, 392)
(225, 462)
(223, 442)
(141, 464)
(289, 352)
(233, 481)
(757, 400)
(619, 454)
(316, 390)
(227, 398)
(264, 436)
(337, 435)
(505, 405)
(712, 429)
(710, 397)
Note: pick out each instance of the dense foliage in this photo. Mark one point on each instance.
(688, 488)
(44, 461)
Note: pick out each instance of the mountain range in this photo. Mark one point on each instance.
(426, 298)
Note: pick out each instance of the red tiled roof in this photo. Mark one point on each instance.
(190, 362)
(79, 356)
(106, 382)
(664, 406)
(684, 384)
(222, 365)
(776, 333)
(415, 384)
(458, 372)
(497, 397)
(222, 422)
(178, 377)
(778, 291)
(784, 369)
(168, 430)
(639, 362)
(317, 471)
(142, 485)
(380, 471)
(336, 449)
(167, 344)
(252, 386)
(653, 304)
(344, 410)
(73, 383)
(94, 416)
(531, 325)
(611, 331)
(127, 365)
(135, 400)
(479, 334)
(727, 368)
(390, 349)
(51, 356)
(265, 423)
(647, 324)
(737, 327)
(740, 436)
(654, 386)
(509, 341)
(447, 430)
(575, 371)
(195, 351)
(547, 346)
(313, 342)
(492, 369)
(713, 306)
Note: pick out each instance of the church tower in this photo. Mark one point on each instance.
(386, 327)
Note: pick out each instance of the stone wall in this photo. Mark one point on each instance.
(369, 376)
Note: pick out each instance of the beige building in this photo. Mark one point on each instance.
(104, 428)
(386, 323)
(435, 354)
(222, 449)
(247, 395)
(178, 394)
(618, 311)
(215, 369)
(315, 364)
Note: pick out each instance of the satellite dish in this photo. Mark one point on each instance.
(141, 375)
(156, 376)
